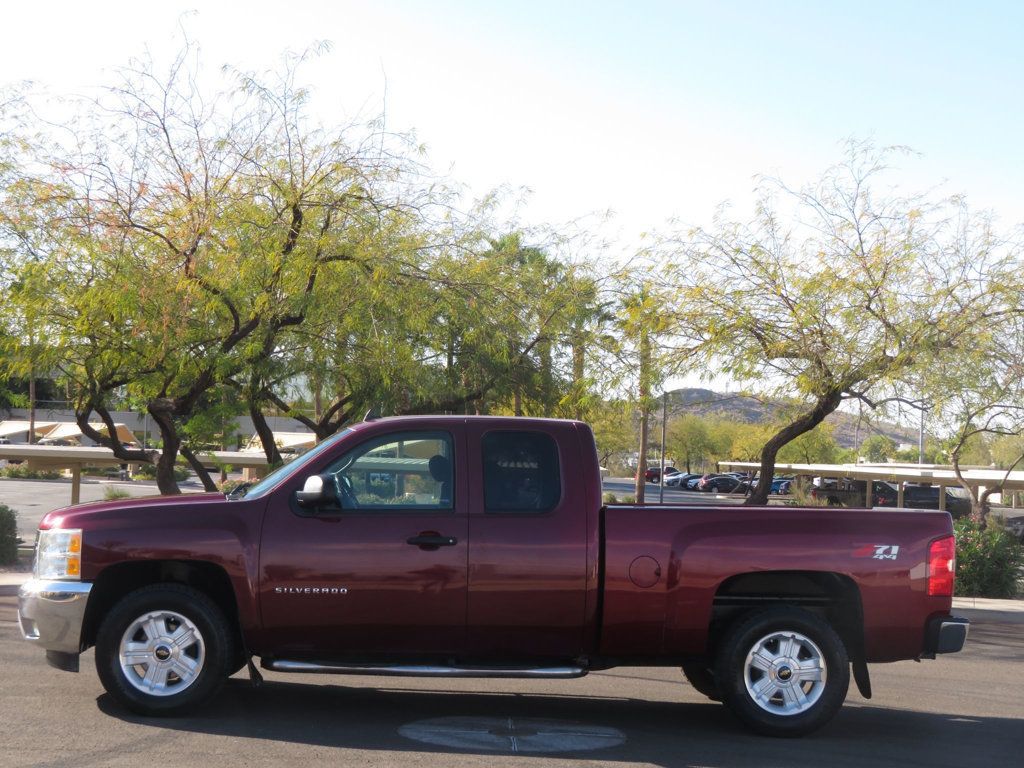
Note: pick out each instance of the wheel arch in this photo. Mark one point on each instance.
(121, 579)
(833, 596)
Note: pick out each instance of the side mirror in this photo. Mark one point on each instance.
(312, 493)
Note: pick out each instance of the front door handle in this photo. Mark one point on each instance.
(431, 540)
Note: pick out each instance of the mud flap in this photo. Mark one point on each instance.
(860, 676)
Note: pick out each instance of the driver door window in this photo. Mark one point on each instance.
(397, 472)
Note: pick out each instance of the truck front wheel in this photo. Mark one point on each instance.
(783, 671)
(163, 650)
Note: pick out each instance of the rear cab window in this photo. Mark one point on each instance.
(521, 472)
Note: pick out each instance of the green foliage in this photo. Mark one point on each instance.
(878, 448)
(988, 561)
(229, 485)
(8, 535)
(800, 496)
(22, 472)
(934, 453)
(814, 447)
(148, 472)
(110, 493)
(610, 498)
(614, 432)
(973, 450)
(689, 440)
(1006, 450)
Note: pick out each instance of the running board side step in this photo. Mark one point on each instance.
(423, 670)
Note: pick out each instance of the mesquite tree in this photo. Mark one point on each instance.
(835, 291)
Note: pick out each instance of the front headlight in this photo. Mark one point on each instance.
(59, 554)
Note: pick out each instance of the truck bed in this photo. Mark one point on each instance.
(669, 569)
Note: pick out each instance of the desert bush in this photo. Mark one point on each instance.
(148, 471)
(988, 562)
(22, 472)
(8, 535)
(110, 493)
(800, 496)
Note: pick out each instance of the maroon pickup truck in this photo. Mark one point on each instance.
(476, 546)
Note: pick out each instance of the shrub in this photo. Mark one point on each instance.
(229, 485)
(110, 493)
(22, 472)
(149, 471)
(800, 496)
(988, 562)
(610, 498)
(8, 535)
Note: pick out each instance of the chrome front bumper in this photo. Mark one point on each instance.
(51, 613)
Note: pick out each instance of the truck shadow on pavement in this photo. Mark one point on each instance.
(659, 733)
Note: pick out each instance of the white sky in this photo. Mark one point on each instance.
(653, 110)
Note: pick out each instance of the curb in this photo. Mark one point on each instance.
(989, 610)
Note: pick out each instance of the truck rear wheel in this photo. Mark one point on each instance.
(164, 650)
(783, 671)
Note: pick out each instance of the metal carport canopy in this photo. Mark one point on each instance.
(896, 473)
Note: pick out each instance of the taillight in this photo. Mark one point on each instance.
(941, 566)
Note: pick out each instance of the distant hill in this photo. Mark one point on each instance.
(706, 402)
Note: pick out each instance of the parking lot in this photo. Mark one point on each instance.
(965, 709)
(962, 710)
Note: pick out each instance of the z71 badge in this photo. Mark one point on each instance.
(878, 551)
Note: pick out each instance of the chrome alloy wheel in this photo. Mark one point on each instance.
(162, 653)
(785, 673)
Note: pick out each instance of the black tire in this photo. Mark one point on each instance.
(177, 629)
(702, 678)
(765, 690)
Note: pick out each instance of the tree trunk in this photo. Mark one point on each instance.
(641, 462)
(578, 372)
(825, 405)
(199, 469)
(266, 435)
(546, 378)
(979, 501)
(31, 405)
(645, 396)
(171, 444)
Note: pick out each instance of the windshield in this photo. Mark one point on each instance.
(279, 474)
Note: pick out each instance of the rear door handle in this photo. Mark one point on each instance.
(431, 540)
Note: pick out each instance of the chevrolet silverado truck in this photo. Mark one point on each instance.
(479, 547)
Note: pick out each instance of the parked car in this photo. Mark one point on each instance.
(722, 484)
(484, 560)
(652, 474)
(781, 485)
(680, 479)
(851, 493)
(691, 484)
(1015, 525)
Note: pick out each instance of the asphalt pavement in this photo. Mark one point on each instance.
(959, 710)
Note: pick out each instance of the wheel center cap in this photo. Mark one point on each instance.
(785, 673)
(162, 653)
